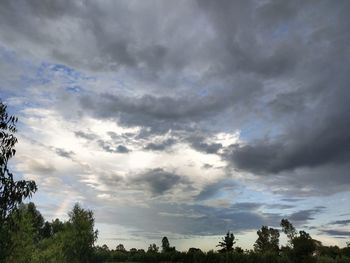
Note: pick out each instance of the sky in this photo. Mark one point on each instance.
(184, 119)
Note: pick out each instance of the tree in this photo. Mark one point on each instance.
(22, 235)
(80, 235)
(288, 229)
(227, 242)
(268, 240)
(57, 226)
(165, 245)
(120, 248)
(303, 247)
(37, 220)
(153, 248)
(12, 192)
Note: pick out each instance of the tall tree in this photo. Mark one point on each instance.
(22, 235)
(80, 235)
(165, 244)
(288, 229)
(268, 240)
(227, 242)
(11, 192)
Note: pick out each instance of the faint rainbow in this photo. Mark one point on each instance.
(62, 210)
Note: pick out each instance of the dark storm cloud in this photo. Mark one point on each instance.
(199, 144)
(307, 145)
(306, 182)
(314, 117)
(152, 182)
(240, 50)
(158, 180)
(150, 107)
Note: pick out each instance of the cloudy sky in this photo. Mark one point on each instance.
(183, 118)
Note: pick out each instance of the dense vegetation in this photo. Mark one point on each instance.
(25, 236)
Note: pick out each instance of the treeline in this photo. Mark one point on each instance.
(301, 248)
(32, 239)
(29, 238)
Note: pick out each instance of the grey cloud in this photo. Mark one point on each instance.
(149, 107)
(240, 49)
(122, 149)
(40, 166)
(106, 146)
(158, 181)
(305, 215)
(309, 145)
(337, 232)
(306, 182)
(200, 145)
(63, 153)
(340, 222)
(292, 199)
(279, 206)
(190, 219)
(85, 135)
(160, 146)
(214, 189)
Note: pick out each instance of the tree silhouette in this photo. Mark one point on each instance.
(268, 240)
(227, 242)
(11, 192)
(303, 247)
(153, 248)
(165, 244)
(288, 229)
(120, 248)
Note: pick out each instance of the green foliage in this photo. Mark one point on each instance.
(22, 235)
(79, 235)
(12, 192)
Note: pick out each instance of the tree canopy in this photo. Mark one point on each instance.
(12, 192)
(227, 242)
